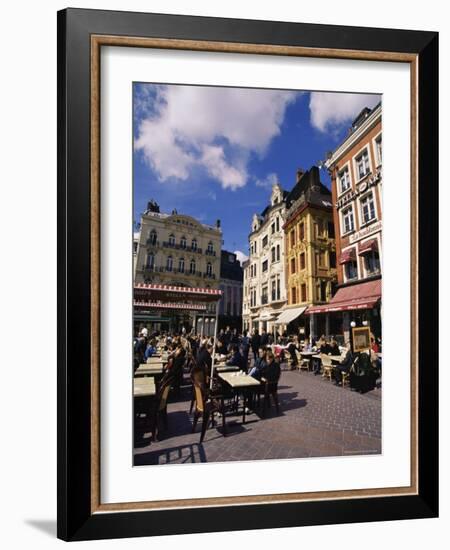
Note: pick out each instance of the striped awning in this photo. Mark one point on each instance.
(368, 246)
(347, 256)
(170, 305)
(172, 294)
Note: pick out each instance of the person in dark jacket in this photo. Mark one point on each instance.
(343, 366)
(259, 365)
(204, 359)
(255, 343)
(271, 370)
(245, 347)
(236, 359)
(293, 347)
(264, 338)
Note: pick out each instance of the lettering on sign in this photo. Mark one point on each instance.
(365, 232)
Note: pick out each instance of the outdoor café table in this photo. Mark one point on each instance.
(154, 360)
(240, 382)
(226, 368)
(336, 358)
(149, 370)
(307, 353)
(144, 387)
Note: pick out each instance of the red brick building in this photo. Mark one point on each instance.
(356, 176)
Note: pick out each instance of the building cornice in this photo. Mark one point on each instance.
(354, 137)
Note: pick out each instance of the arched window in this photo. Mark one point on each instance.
(152, 237)
(172, 240)
(181, 265)
(150, 261)
(209, 269)
(210, 247)
(169, 264)
(183, 242)
(192, 267)
(194, 244)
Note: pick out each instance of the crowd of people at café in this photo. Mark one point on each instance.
(264, 361)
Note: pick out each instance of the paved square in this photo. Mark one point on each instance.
(316, 419)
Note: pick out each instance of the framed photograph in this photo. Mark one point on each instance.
(241, 202)
(361, 338)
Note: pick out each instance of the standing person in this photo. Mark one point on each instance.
(292, 348)
(245, 347)
(264, 338)
(255, 343)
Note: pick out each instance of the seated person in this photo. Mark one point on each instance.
(334, 348)
(259, 365)
(151, 349)
(271, 370)
(344, 365)
(236, 358)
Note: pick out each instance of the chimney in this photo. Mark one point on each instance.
(218, 224)
(300, 173)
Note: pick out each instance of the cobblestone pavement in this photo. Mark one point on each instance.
(316, 418)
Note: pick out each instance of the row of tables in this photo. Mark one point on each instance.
(144, 384)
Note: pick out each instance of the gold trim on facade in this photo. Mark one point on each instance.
(97, 42)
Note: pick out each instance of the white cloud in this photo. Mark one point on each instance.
(216, 129)
(330, 110)
(241, 256)
(268, 181)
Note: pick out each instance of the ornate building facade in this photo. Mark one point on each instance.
(264, 282)
(177, 250)
(356, 175)
(310, 259)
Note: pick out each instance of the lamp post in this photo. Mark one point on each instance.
(352, 326)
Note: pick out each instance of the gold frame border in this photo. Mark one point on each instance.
(97, 41)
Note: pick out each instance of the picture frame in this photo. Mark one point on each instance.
(81, 35)
(361, 338)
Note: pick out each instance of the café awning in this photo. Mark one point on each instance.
(347, 256)
(169, 305)
(368, 246)
(174, 294)
(360, 296)
(289, 315)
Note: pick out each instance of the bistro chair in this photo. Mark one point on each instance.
(206, 408)
(303, 362)
(327, 366)
(270, 389)
(160, 411)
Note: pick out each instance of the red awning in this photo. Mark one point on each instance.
(347, 256)
(170, 305)
(165, 293)
(368, 246)
(359, 296)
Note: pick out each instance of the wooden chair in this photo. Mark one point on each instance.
(327, 366)
(303, 362)
(160, 411)
(206, 407)
(270, 389)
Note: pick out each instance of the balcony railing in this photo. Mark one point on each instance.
(210, 252)
(209, 275)
(151, 242)
(174, 246)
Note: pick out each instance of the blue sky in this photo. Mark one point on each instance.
(215, 152)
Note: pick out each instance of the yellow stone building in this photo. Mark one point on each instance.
(310, 254)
